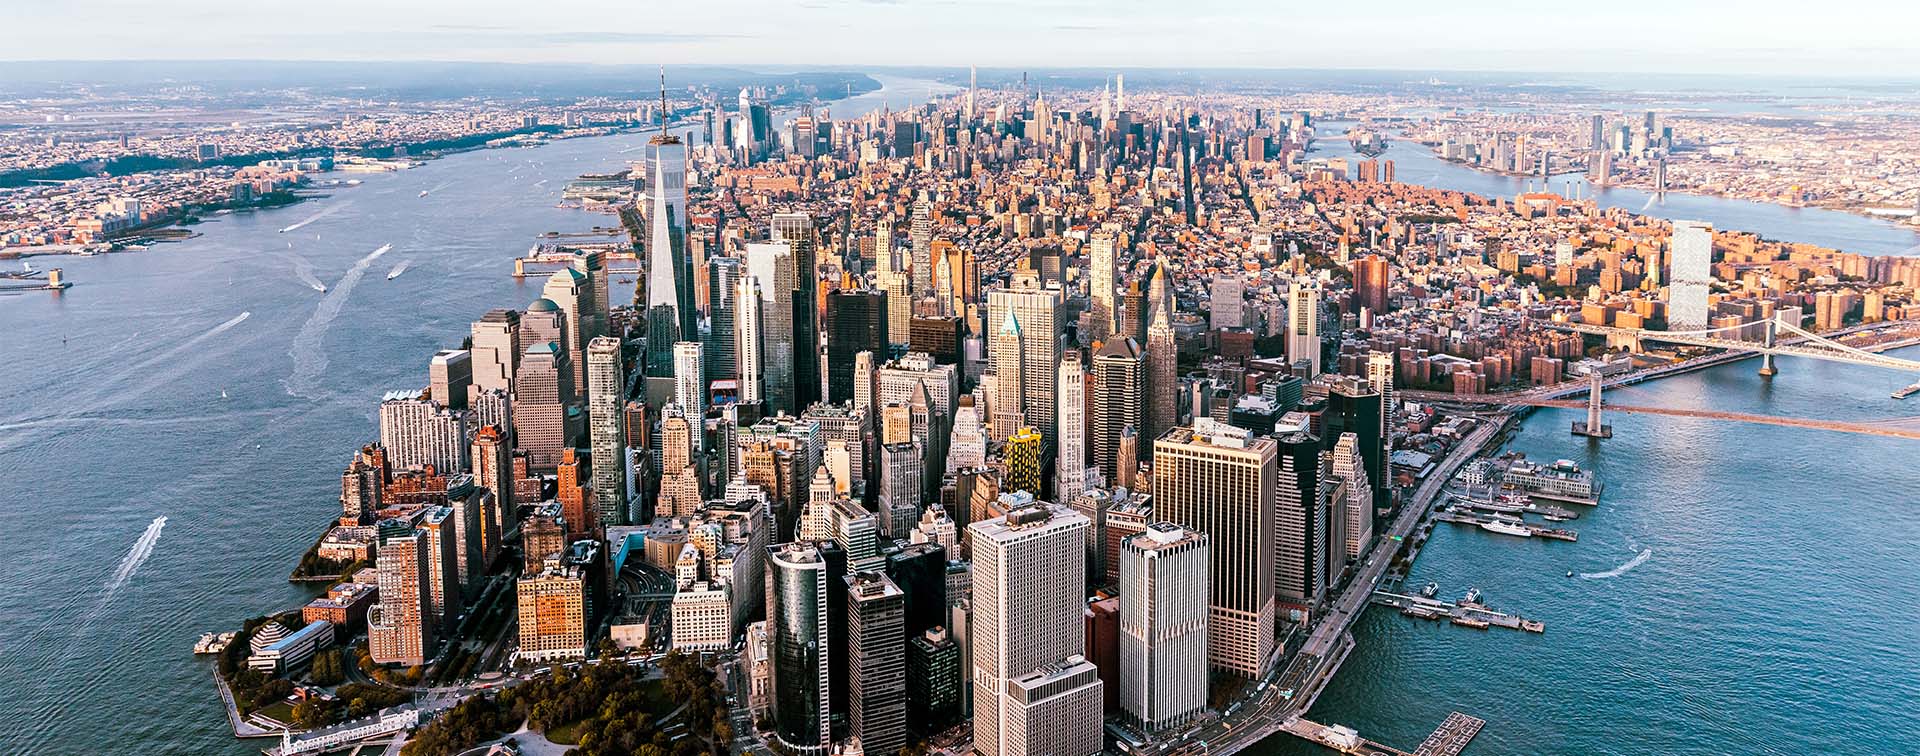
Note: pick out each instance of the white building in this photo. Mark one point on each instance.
(1163, 626)
(1692, 275)
(1032, 692)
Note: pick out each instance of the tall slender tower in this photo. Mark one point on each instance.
(922, 239)
(690, 388)
(1163, 625)
(671, 316)
(1070, 468)
(606, 427)
(1100, 284)
(1303, 327)
(1119, 383)
(748, 352)
(1163, 377)
(723, 280)
(1009, 396)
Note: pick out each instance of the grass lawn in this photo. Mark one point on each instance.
(280, 711)
(567, 734)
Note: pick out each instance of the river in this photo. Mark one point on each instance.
(1414, 163)
(208, 382)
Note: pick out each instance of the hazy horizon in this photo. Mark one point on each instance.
(1844, 38)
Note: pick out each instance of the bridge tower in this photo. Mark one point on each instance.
(1592, 427)
(1766, 358)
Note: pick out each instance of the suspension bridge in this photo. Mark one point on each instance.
(1799, 343)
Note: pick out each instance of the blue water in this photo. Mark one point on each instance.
(1414, 163)
(1773, 614)
(111, 415)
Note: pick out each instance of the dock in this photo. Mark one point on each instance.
(1452, 736)
(1467, 614)
(1532, 530)
(618, 257)
(1449, 739)
(50, 279)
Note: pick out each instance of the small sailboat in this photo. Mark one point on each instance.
(223, 393)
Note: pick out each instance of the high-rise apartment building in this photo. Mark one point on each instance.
(606, 428)
(399, 630)
(1220, 480)
(1101, 291)
(418, 432)
(690, 389)
(1070, 463)
(1692, 275)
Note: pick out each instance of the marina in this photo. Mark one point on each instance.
(1506, 525)
(1468, 612)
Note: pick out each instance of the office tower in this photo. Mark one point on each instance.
(901, 486)
(933, 681)
(592, 264)
(1227, 301)
(553, 613)
(723, 292)
(1354, 407)
(495, 355)
(936, 528)
(1372, 276)
(921, 236)
(570, 290)
(857, 323)
(1119, 386)
(1023, 461)
(417, 433)
(920, 570)
(1380, 378)
(1103, 648)
(1692, 275)
(1070, 465)
(1597, 139)
(543, 417)
(1303, 327)
(470, 506)
(1133, 324)
(798, 581)
(900, 381)
(1300, 533)
(397, 628)
(544, 321)
(1219, 480)
(771, 266)
(1008, 400)
(1120, 92)
(449, 377)
(493, 469)
(690, 389)
(748, 350)
(1163, 376)
(1100, 284)
(1035, 314)
(670, 307)
(876, 662)
(967, 448)
(1163, 626)
(606, 427)
(797, 232)
(443, 544)
(1356, 507)
(1126, 457)
(1033, 692)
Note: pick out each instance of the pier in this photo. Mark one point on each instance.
(1449, 739)
(34, 280)
(618, 257)
(1465, 613)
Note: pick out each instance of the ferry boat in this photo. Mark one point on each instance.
(1906, 392)
(1506, 528)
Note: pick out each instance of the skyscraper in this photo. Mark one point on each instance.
(876, 662)
(1119, 385)
(1300, 533)
(1163, 625)
(606, 428)
(797, 232)
(1009, 390)
(771, 265)
(1163, 376)
(1070, 465)
(1354, 407)
(798, 615)
(573, 292)
(1371, 278)
(857, 323)
(748, 347)
(671, 315)
(1029, 579)
(416, 432)
(1692, 275)
(543, 418)
(1227, 301)
(398, 630)
(1219, 480)
(922, 239)
(1303, 327)
(496, 350)
(1037, 311)
(1356, 506)
(690, 389)
(449, 377)
(1100, 284)
(723, 282)
(1023, 461)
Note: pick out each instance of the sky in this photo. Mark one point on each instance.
(1845, 38)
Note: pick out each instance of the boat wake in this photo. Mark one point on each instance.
(142, 549)
(1650, 200)
(308, 350)
(331, 209)
(1637, 560)
(303, 268)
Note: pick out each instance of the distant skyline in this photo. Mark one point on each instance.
(1767, 37)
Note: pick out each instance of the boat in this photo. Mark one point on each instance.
(1906, 392)
(1477, 624)
(1473, 596)
(322, 288)
(1506, 528)
(424, 192)
(223, 393)
(1569, 573)
(1429, 589)
(398, 269)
